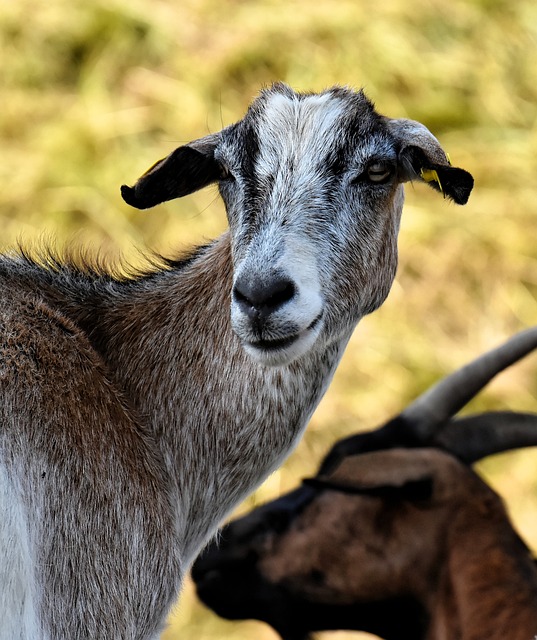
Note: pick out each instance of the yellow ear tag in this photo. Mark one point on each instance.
(430, 175)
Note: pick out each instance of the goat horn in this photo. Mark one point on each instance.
(472, 438)
(447, 397)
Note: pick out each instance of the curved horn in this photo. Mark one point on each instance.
(472, 438)
(448, 396)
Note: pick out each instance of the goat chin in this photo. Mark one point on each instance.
(282, 351)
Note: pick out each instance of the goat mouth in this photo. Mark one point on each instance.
(274, 345)
(277, 344)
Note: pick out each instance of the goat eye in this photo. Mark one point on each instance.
(379, 172)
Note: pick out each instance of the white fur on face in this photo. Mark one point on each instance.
(293, 131)
(291, 209)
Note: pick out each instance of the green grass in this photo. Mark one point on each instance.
(93, 92)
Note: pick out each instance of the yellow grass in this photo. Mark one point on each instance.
(94, 91)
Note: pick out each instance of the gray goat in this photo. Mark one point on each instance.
(406, 543)
(135, 413)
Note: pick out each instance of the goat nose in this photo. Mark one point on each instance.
(260, 297)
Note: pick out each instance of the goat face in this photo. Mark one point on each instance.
(228, 579)
(314, 238)
(312, 188)
(235, 576)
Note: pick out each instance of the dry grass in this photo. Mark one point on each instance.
(94, 91)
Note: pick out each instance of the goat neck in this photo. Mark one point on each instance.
(488, 586)
(179, 345)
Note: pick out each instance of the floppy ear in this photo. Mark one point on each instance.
(422, 157)
(185, 170)
(411, 490)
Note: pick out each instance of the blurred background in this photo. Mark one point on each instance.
(94, 91)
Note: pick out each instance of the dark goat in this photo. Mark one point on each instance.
(408, 544)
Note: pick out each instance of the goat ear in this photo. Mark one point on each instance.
(422, 157)
(412, 490)
(185, 170)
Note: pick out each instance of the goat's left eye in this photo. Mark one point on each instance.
(379, 172)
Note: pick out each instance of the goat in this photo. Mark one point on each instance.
(405, 543)
(137, 412)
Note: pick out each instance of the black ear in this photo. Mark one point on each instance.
(184, 171)
(421, 156)
(454, 183)
(412, 490)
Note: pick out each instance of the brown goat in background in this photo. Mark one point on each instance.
(409, 544)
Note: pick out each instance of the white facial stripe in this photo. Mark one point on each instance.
(291, 129)
(299, 262)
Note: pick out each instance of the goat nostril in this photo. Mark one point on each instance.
(263, 296)
(239, 296)
(280, 293)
